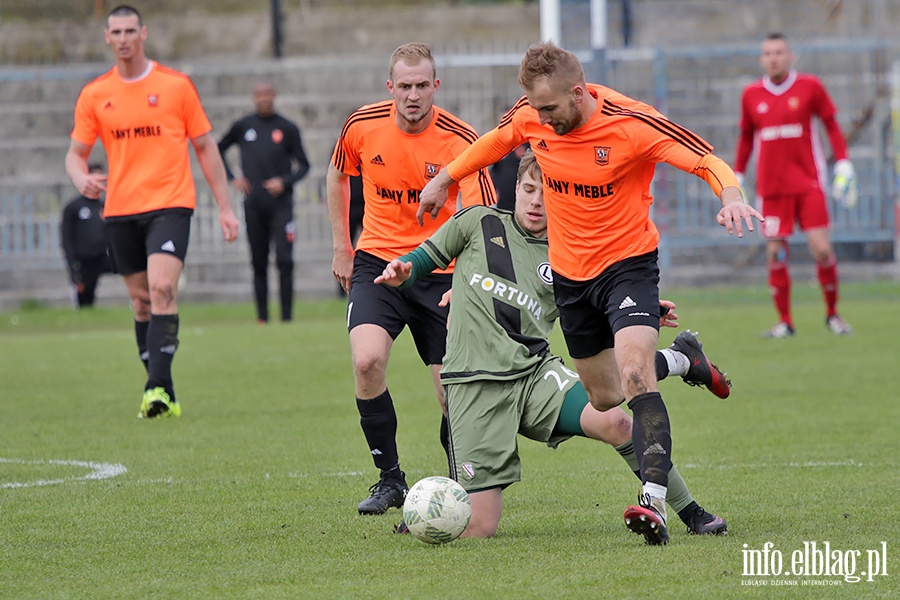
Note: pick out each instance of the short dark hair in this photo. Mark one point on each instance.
(124, 10)
(776, 35)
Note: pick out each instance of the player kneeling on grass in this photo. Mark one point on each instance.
(499, 377)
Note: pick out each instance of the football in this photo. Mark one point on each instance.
(437, 510)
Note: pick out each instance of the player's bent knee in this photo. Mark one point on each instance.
(480, 528)
(369, 367)
(162, 296)
(605, 399)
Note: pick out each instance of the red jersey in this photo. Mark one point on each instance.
(779, 122)
(395, 166)
(597, 177)
(145, 126)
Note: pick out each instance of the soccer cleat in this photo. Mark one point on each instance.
(389, 491)
(156, 403)
(701, 522)
(401, 527)
(781, 330)
(701, 371)
(837, 325)
(649, 520)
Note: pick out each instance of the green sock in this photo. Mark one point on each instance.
(678, 496)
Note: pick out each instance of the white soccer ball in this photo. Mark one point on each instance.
(437, 510)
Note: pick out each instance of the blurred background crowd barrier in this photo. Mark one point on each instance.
(689, 58)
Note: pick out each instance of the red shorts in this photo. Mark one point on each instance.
(809, 210)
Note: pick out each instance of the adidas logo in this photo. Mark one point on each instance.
(168, 246)
(499, 241)
(654, 449)
(170, 349)
(107, 105)
(542, 145)
(627, 303)
(377, 161)
(376, 452)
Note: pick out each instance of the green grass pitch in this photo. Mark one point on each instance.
(252, 493)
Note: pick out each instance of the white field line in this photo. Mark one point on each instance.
(98, 471)
(812, 464)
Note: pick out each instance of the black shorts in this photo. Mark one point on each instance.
(591, 312)
(133, 238)
(393, 309)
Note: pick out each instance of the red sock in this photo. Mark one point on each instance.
(780, 286)
(828, 280)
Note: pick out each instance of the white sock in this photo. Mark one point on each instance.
(677, 361)
(657, 495)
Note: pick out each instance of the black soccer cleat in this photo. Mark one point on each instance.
(390, 491)
(701, 522)
(702, 371)
(401, 527)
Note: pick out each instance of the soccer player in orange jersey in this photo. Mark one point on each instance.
(598, 150)
(397, 146)
(145, 114)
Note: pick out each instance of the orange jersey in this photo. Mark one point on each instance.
(395, 166)
(597, 177)
(145, 126)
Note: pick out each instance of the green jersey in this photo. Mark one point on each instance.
(503, 308)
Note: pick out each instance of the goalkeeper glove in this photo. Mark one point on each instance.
(843, 187)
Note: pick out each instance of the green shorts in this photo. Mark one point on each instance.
(486, 416)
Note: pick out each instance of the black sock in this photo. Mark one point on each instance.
(379, 424)
(685, 513)
(445, 440)
(652, 437)
(287, 294)
(162, 341)
(662, 366)
(140, 334)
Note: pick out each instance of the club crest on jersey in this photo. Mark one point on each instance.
(601, 155)
(762, 108)
(431, 170)
(793, 102)
(277, 136)
(153, 100)
(545, 273)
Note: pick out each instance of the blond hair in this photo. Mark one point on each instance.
(412, 53)
(549, 60)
